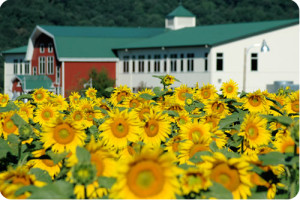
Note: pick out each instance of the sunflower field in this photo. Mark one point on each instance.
(160, 143)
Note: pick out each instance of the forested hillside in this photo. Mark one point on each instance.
(19, 17)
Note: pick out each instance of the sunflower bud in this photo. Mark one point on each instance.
(84, 173)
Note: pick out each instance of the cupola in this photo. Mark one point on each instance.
(180, 18)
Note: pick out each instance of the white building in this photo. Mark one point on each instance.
(204, 54)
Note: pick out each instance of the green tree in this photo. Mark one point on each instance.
(101, 81)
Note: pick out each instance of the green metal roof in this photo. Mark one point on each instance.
(95, 42)
(211, 35)
(180, 11)
(30, 82)
(22, 49)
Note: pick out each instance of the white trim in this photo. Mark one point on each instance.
(89, 59)
(63, 79)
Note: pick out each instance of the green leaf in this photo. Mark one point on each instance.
(24, 189)
(109, 89)
(230, 119)
(272, 158)
(41, 175)
(4, 148)
(197, 157)
(186, 166)
(106, 182)
(93, 129)
(171, 113)
(284, 120)
(199, 104)
(56, 190)
(218, 191)
(24, 96)
(56, 157)
(158, 92)
(83, 155)
(258, 195)
(146, 96)
(213, 146)
(13, 139)
(101, 109)
(10, 106)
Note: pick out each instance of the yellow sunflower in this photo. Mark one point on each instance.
(256, 102)
(168, 80)
(205, 93)
(7, 125)
(188, 148)
(194, 179)
(13, 179)
(119, 128)
(173, 144)
(281, 99)
(62, 135)
(133, 101)
(170, 103)
(91, 93)
(4, 98)
(45, 164)
(40, 95)
(26, 110)
(151, 175)
(105, 164)
(74, 98)
(211, 119)
(254, 131)
(120, 94)
(156, 128)
(193, 131)
(59, 102)
(292, 104)
(286, 145)
(45, 114)
(79, 117)
(230, 89)
(216, 107)
(144, 110)
(232, 173)
(183, 118)
(180, 94)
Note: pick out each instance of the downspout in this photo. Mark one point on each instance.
(63, 80)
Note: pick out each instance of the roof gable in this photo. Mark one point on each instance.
(30, 82)
(16, 50)
(180, 11)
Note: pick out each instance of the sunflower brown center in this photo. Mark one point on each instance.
(145, 179)
(64, 134)
(144, 112)
(197, 148)
(217, 107)
(295, 106)
(120, 128)
(255, 101)
(229, 89)
(21, 180)
(98, 161)
(121, 96)
(9, 126)
(228, 177)
(48, 162)
(77, 117)
(206, 94)
(151, 128)
(134, 103)
(252, 131)
(47, 114)
(195, 134)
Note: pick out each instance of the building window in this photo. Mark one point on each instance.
(173, 62)
(50, 48)
(181, 62)
(165, 63)
(254, 62)
(141, 63)
(57, 75)
(205, 62)
(34, 71)
(190, 62)
(133, 63)
(41, 65)
(27, 67)
(15, 66)
(42, 48)
(126, 64)
(219, 61)
(149, 63)
(21, 66)
(157, 63)
(50, 65)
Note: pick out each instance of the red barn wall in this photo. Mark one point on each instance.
(76, 72)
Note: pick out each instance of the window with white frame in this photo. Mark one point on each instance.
(126, 64)
(165, 62)
(42, 48)
(57, 74)
(205, 62)
(181, 62)
(15, 66)
(42, 65)
(27, 67)
(190, 62)
(50, 47)
(254, 63)
(149, 63)
(50, 65)
(133, 64)
(141, 63)
(219, 61)
(173, 62)
(21, 66)
(34, 70)
(156, 63)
